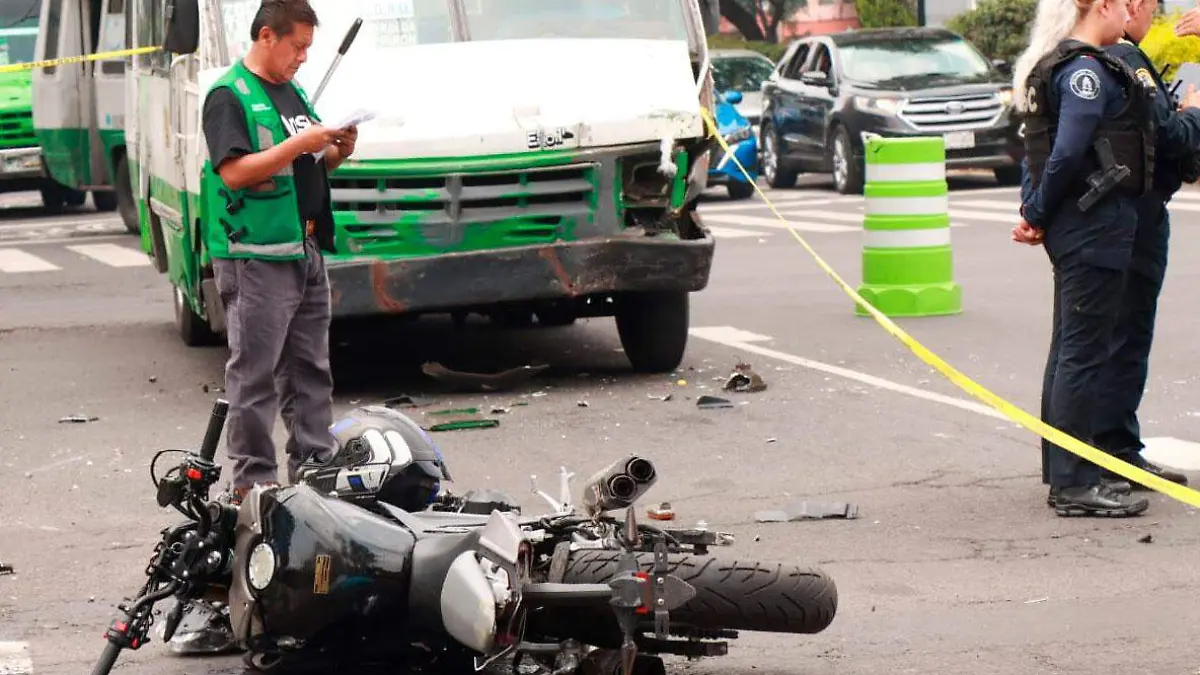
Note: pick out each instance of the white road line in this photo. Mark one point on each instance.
(774, 223)
(112, 255)
(61, 240)
(734, 233)
(71, 223)
(756, 202)
(964, 214)
(1173, 452)
(1010, 207)
(16, 261)
(14, 659)
(741, 340)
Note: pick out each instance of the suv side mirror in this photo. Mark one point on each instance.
(183, 26)
(815, 78)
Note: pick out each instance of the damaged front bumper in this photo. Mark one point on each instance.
(543, 272)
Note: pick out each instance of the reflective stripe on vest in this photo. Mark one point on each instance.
(296, 248)
(266, 141)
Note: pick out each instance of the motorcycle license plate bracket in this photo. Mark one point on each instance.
(637, 593)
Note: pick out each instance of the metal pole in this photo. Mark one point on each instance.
(920, 12)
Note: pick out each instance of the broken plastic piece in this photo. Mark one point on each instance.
(505, 379)
(713, 402)
(5, 568)
(661, 512)
(465, 424)
(406, 401)
(808, 511)
(666, 397)
(78, 419)
(743, 378)
(666, 165)
(456, 411)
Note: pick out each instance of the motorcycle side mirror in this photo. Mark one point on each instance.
(183, 26)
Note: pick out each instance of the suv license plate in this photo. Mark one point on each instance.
(956, 140)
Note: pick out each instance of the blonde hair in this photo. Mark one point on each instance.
(1054, 21)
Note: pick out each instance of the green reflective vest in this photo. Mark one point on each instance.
(260, 221)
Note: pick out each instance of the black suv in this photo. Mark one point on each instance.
(829, 90)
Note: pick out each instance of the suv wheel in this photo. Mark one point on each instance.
(847, 174)
(776, 175)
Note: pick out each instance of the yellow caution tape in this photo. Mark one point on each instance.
(100, 56)
(1012, 412)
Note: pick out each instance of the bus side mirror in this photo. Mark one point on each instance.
(183, 26)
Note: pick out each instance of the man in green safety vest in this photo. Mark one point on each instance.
(268, 220)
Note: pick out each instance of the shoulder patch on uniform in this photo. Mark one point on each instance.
(1085, 84)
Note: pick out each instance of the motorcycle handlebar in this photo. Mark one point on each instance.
(212, 436)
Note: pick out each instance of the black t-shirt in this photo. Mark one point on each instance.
(228, 137)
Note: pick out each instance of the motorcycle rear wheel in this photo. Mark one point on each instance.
(730, 594)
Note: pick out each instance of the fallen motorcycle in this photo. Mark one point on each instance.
(320, 574)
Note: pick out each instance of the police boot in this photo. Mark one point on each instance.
(1096, 500)
(1120, 486)
(1163, 473)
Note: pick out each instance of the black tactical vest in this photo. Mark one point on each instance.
(1131, 133)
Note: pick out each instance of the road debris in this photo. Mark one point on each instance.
(744, 379)
(503, 380)
(1036, 601)
(805, 510)
(5, 568)
(1146, 539)
(212, 388)
(661, 512)
(406, 401)
(664, 397)
(465, 424)
(708, 402)
(77, 419)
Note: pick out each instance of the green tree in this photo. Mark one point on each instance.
(998, 28)
(886, 13)
(758, 20)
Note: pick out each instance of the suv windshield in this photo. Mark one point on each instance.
(530, 19)
(740, 73)
(878, 62)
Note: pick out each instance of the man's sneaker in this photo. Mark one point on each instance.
(1163, 473)
(1118, 486)
(1096, 500)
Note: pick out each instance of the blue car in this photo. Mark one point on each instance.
(739, 134)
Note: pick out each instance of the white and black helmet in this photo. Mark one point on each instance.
(382, 455)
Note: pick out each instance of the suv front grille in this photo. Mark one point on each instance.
(952, 113)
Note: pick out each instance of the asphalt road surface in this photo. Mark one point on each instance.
(954, 565)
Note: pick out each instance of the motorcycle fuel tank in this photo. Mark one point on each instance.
(309, 565)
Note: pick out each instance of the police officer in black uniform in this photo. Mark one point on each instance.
(1086, 114)
(1177, 159)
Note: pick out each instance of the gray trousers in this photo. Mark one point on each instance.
(277, 323)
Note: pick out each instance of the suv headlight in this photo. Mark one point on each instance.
(1005, 96)
(738, 135)
(884, 106)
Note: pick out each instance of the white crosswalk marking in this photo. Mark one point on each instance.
(987, 204)
(15, 261)
(732, 232)
(802, 225)
(112, 255)
(14, 659)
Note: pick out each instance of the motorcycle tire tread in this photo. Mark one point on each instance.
(731, 594)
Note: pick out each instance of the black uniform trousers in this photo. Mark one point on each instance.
(1102, 327)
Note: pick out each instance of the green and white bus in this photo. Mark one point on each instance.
(531, 161)
(78, 108)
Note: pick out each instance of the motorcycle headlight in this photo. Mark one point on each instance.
(260, 568)
(738, 135)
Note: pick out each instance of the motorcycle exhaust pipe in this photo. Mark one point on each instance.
(618, 485)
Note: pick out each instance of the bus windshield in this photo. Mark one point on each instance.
(532, 19)
(19, 13)
(17, 44)
(404, 23)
